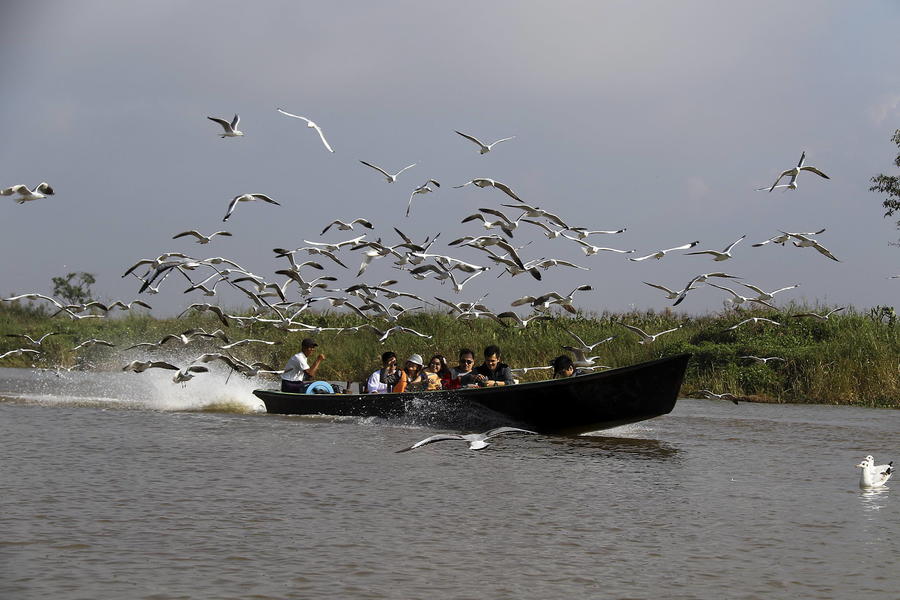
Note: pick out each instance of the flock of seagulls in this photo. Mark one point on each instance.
(500, 225)
(273, 307)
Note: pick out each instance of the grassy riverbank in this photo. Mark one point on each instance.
(851, 358)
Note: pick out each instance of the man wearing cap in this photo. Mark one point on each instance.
(297, 371)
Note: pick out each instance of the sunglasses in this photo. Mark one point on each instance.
(466, 361)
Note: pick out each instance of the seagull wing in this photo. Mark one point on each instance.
(192, 232)
(637, 330)
(506, 139)
(471, 138)
(500, 430)
(505, 188)
(225, 124)
(231, 206)
(816, 171)
(265, 198)
(379, 169)
(783, 173)
(405, 168)
(322, 137)
(441, 437)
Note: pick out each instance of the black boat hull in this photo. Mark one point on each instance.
(573, 405)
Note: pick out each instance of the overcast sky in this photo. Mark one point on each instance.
(660, 117)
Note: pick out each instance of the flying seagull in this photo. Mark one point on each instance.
(725, 396)
(41, 190)
(201, 239)
(724, 254)
(347, 226)
(823, 317)
(660, 253)
(93, 342)
(422, 189)
(311, 125)
(484, 148)
(794, 172)
(752, 320)
(390, 178)
(477, 441)
(646, 338)
(34, 342)
(763, 360)
(19, 352)
(483, 182)
(247, 198)
(231, 129)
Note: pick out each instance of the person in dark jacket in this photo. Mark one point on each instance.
(492, 372)
(564, 367)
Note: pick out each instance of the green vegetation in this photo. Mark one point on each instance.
(74, 288)
(890, 185)
(852, 358)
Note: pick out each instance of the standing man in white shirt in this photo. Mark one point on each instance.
(297, 372)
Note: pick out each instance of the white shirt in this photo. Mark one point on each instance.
(295, 368)
(374, 385)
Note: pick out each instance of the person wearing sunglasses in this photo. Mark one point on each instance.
(463, 372)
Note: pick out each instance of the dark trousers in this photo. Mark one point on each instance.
(296, 387)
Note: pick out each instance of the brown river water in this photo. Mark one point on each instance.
(121, 486)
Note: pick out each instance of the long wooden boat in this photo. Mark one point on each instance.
(572, 405)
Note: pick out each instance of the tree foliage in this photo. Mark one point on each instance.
(890, 185)
(74, 288)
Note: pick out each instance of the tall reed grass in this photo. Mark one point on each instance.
(851, 358)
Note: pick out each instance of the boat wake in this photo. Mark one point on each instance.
(219, 391)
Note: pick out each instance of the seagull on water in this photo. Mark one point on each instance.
(231, 129)
(477, 441)
(484, 148)
(311, 125)
(247, 198)
(724, 254)
(390, 178)
(873, 475)
(41, 190)
(794, 172)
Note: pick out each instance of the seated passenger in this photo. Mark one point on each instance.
(492, 372)
(385, 379)
(461, 375)
(298, 372)
(438, 372)
(415, 379)
(563, 367)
